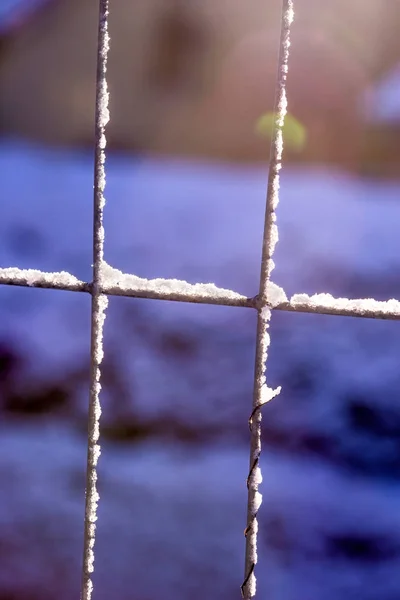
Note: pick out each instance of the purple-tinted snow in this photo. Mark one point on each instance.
(172, 514)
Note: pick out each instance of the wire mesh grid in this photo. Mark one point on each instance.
(107, 281)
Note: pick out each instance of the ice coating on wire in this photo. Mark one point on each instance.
(99, 305)
(182, 291)
(271, 230)
(364, 306)
(275, 295)
(115, 281)
(261, 392)
(35, 278)
(346, 307)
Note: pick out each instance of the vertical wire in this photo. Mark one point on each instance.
(99, 304)
(261, 393)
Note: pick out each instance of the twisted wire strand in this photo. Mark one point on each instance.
(261, 392)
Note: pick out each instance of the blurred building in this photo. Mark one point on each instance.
(381, 108)
(192, 77)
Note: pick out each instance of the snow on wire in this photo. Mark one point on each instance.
(108, 281)
(125, 284)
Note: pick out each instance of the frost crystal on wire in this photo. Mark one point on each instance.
(115, 280)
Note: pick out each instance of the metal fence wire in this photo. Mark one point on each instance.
(108, 281)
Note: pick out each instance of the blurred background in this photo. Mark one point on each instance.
(191, 98)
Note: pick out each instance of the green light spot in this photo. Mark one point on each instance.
(294, 133)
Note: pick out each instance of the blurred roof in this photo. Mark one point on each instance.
(15, 12)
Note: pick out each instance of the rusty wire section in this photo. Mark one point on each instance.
(99, 304)
(111, 282)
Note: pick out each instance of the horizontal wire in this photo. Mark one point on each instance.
(318, 304)
(343, 307)
(41, 279)
(144, 288)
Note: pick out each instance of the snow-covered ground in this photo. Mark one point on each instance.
(171, 523)
(173, 514)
